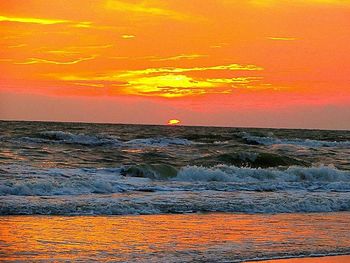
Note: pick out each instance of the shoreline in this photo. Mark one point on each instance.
(213, 237)
(308, 259)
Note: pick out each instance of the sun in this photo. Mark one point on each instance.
(174, 122)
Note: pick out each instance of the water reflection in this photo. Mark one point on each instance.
(171, 238)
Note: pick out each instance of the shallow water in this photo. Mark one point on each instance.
(173, 238)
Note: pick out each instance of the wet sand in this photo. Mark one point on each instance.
(331, 259)
(174, 237)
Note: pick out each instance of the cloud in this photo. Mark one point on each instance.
(230, 67)
(238, 80)
(143, 8)
(168, 85)
(17, 46)
(282, 38)
(128, 36)
(128, 74)
(266, 3)
(182, 56)
(45, 61)
(169, 82)
(43, 21)
(96, 85)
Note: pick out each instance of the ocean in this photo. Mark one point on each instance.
(134, 173)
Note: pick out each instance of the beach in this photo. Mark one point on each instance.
(332, 259)
(213, 237)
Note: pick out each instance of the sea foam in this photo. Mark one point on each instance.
(301, 142)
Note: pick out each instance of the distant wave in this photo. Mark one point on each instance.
(301, 142)
(161, 141)
(61, 137)
(71, 138)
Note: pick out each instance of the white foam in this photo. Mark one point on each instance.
(51, 182)
(225, 173)
(177, 202)
(221, 188)
(299, 142)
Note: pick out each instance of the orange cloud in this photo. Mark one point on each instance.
(45, 61)
(142, 7)
(182, 56)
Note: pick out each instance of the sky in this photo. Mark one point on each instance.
(253, 63)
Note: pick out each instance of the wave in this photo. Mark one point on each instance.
(250, 159)
(223, 173)
(159, 177)
(52, 182)
(261, 140)
(154, 189)
(163, 177)
(170, 202)
(71, 138)
(27, 181)
(61, 137)
(159, 142)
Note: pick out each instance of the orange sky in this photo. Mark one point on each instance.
(264, 63)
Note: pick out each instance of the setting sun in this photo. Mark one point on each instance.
(174, 122)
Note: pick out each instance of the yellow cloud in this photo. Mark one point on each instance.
(239, 80)
(231, 67)
(44, 21)
(45, 61)
(283, 38)
(267, 3)
(130, 74)
(17, 46)
(143, 8)
(183, 56)
(83, 25)
(96, 85)
(169, 82)
(168, 85)
(128, 36)
(41, 21)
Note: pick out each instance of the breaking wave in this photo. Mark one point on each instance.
(300, 142)
(223, 173)
(154, 189)
(153, 178)
(177, 202)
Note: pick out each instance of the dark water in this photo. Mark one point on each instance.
(71, 168)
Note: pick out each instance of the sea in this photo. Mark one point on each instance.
(258, 193)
